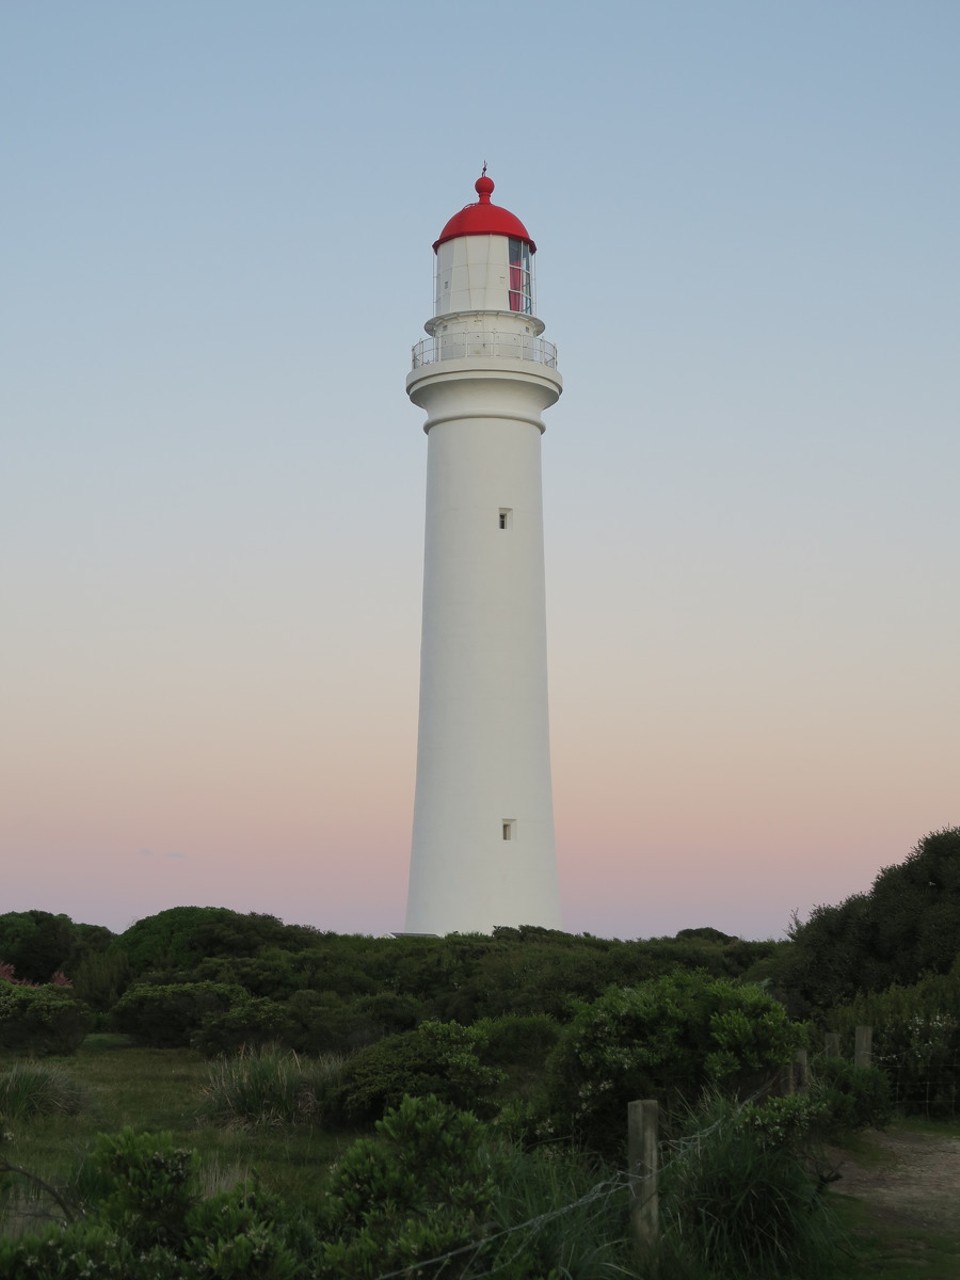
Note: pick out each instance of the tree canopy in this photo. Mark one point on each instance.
(907, 926)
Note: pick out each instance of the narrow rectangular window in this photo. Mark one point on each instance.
(506, 518)
(509, 825)
(521, 290)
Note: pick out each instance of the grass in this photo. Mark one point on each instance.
(939, 1127)
(885, 1244)
(118, 1084)
(577, 1217)
(35, 1089)
(745, 1200)
(881, 1249)
(271, 1087)
(162, 1089)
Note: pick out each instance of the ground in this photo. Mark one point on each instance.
(914, 1176)
(906, 1183)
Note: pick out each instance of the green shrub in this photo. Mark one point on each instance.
(251, 1022)
(908, 925)
(144, 1220)
(518, 1045)
(438, 1059)
(422, 1187)
(41, 1020)
(435, 1182)
(269, 1086)
(916, 1040)
(668, 1039)
(142, 1185)
(327, 1022)
(387, 1013)
(247, 1234)
(101, 977)
(29, 1089)
(79, 1252)
(174, 941)
(37, 943)
(324, 1022)
(167, 1017)
(851, 1097)
(517, 1040)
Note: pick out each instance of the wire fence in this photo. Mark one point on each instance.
(531, 1228)
(623, 1183)
(923, 1085)
(921, 1060)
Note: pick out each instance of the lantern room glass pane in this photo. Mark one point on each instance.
(521, 280)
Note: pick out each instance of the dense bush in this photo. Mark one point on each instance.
(907, 926)
(142, 1185)
(421, 1188)
(438, 1058)
(173, 942)
(518, 1045)
(80, 1251)
(343, 992)
(247, 1234)
(308, 1022)
(916, 1040)
(850, 1097)
(143, 1218)
(244, 1025)
(36, 943)
(437, 1184)
(166, 1017)
(41, 1020)
(325, 1022)
(667, 1039)
(516, 1040)
(101, 976)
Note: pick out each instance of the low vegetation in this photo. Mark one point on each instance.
(272, 1087)
(263, 1100)
(30, 1089)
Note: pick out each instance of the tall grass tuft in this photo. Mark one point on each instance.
(742, 1197)
(561, 1216)
(271, 1086)
(31, 1089)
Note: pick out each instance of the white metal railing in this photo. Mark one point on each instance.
(467, 346)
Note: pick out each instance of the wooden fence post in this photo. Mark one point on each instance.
(863, 1047)
(801, 1071)
(831, 1044)
(642, 1163)
(785, 1080)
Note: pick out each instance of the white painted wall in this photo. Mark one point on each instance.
(473, 273)
(483, 750)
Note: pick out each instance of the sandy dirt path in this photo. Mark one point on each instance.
(916, 1178)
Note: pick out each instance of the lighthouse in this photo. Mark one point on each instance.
(483, 851)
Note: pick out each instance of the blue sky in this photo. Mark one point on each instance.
(217, 257)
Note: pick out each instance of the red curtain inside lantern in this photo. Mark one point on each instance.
(519, 276)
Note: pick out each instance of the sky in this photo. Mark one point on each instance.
(216, 257)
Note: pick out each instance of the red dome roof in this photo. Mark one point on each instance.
(484, 219)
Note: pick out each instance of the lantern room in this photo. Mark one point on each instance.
(484, 260)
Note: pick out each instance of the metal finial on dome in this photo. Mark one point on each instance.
(484, 186)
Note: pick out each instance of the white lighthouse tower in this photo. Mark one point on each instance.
(483, 840)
